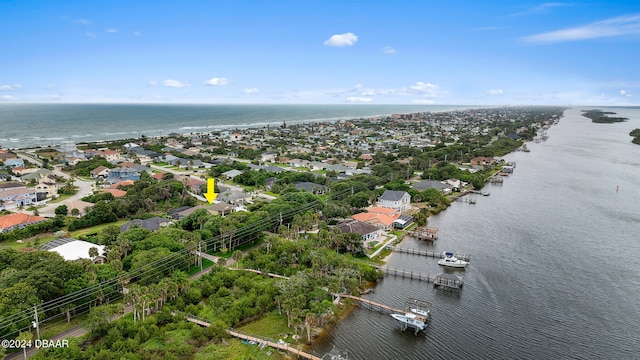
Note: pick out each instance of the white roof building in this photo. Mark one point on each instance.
(72, 249)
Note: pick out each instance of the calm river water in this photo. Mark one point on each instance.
(555, 261)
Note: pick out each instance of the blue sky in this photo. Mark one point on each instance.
(321, 52)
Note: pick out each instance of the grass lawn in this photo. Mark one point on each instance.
(205, 264)
(49, 329)
(272, 325)
(235, 349)
(60, 198)
(271, 193)
(95, 229)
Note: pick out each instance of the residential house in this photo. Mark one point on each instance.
(483, 161)
(16, 197)
(101, 172)
(123, 173)
(18, 221)
(115, 192)
(315, 189)
(384, 218)
(20, 170)
(398, 200)
(37, 175)
(151, 224)
(269, 182)
(455, 184)
(366, 231)
(231, 174)
(268, 156)
(232, 196)
(47, 186)
(12, 163)
(220, 208)
(82, 206)
(423, 185)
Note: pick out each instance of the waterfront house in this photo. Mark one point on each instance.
(398, 200)
(483, 161)
(423, 185)
(367, 232)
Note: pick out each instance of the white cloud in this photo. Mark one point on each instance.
(494, 92)
(175, 83)
(251, 91)
(10, 87)
(341, 40)
(359, 99)
(90, 34)
(82, 21)
(625, 93)
(388, 50)
(542, 8)
(217, 81)
(7, 97)
(112, 31)
(618, 26)
(152, 83)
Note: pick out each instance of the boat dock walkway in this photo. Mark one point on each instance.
(444, 280)
(437, 255)
(262, 273)
(373, 305)
(258, 340)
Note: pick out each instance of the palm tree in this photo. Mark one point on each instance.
(237, 256)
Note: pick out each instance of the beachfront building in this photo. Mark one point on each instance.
(397, 200)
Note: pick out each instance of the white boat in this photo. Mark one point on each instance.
(450, 260)
(410, 320)
(421, 312)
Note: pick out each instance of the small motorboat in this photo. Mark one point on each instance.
(449, 259)
(410, 320)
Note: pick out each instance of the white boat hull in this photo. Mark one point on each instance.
(410, 321)
(453, 264)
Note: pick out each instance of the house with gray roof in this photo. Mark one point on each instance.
(429, 184)
(231, 174)
(152, 224)
(398, 200)
(315, 189)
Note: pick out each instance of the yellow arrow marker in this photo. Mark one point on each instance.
(210, 194)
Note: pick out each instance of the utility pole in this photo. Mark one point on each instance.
(36, 324)
(200, 254)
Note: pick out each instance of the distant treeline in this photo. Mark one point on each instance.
(601, 117)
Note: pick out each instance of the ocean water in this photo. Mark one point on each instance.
(555, 261)
(31, 125)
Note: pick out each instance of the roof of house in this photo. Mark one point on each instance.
(356, 227)
(11, 220)
(428, 184)
(121, 183)
(11, 185)
(10, 193)
(99, 169)
(152, 224)
(77, 204)
(392, 195)
(232, 173)
(72, 249)
(382, 210)
(376, 218)
(309, 186)
(115, 192)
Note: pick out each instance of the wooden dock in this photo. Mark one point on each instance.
(437, 255)
(373, 305)
(444, 280)
(262, 273)
(258, 340)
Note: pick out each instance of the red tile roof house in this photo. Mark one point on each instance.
(18, 220)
